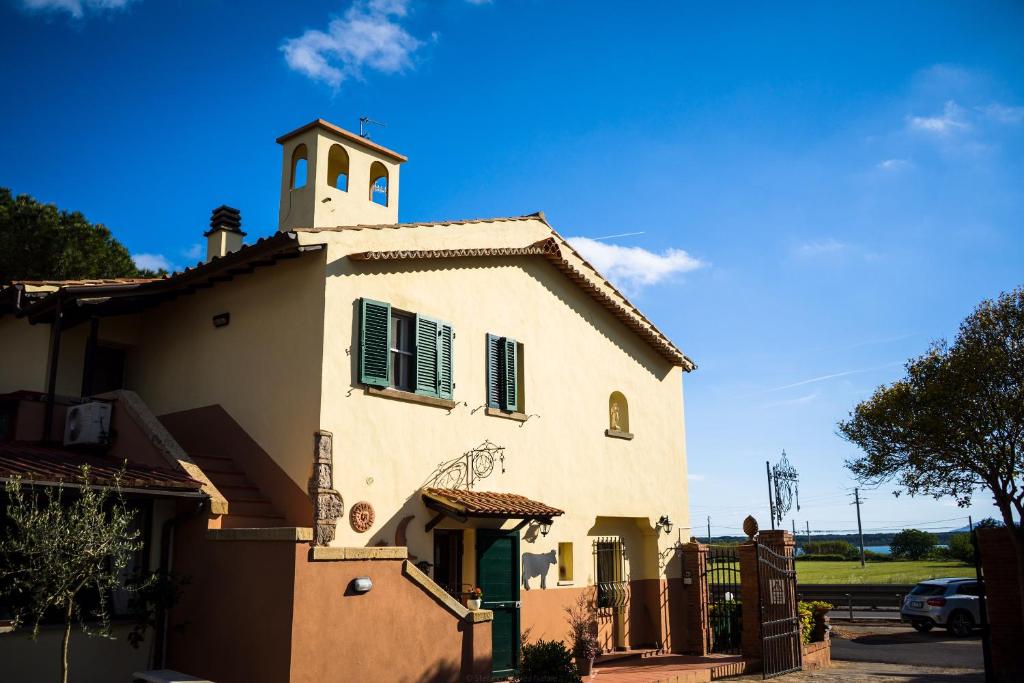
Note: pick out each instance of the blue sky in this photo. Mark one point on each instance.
(810, 192)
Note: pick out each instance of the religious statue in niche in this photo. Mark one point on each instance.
(537, 564)
(618, 413)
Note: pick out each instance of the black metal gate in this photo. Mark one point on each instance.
(722, 587)
(781, 638)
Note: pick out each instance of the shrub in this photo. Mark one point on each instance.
(961, 548)
(725, 619)
(548, 661)
(582, 618)
(872, 556)
(809, 613)
(822, 558)
(912, 544)
(829, 548)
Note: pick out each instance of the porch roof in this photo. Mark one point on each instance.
(462, 503)
(50, 466)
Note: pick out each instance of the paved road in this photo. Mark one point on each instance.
(870, 672)
(904, 645)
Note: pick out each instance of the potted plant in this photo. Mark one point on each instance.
(582, 633)
(474, 598)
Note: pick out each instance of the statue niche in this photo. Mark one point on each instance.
(618, 413)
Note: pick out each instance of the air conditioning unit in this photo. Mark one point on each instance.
(87, 423)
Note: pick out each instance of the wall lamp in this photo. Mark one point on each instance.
(545, 527)
(665, 524)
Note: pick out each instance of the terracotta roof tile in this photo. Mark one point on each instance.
(489, 504)
(94, 282)
(45, 464)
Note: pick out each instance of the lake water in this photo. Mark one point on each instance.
(883, 549)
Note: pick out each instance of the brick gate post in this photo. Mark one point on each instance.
(750, 594)
(695, 621)
(781, 542)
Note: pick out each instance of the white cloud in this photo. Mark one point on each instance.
(76, 8)
(194, 252)
(368, 35)
(951, 120)
(153, 262)
(634, 267)
(893, 164)
(1003, 113)
(819, 248)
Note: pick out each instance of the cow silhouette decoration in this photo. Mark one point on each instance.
(537, 564)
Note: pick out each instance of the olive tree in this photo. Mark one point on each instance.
(56, 548)
(954, 425)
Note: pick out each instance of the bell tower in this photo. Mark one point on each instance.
(332, 177)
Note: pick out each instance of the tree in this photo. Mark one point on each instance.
(961, 548)
(40, 242)
(912, 544)
(55, 553)
(954, 425)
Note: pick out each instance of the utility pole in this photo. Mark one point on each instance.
(808, 531)
(709, 529)
(771, 501)
(860, 531)
(970, 522)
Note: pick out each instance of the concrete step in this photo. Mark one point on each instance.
(251, 521)
(630, 653)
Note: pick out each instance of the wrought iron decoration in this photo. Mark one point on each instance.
(785, 488)
(465, 470)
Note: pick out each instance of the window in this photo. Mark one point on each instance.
(610, 573)
(405, 351)
(968, 589)
(299, 167)
(504, 374)
(379, 183)
(337, 168)
(565, 562)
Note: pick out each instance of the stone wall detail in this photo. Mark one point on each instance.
(327, 503)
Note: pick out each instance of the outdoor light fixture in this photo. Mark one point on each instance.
(665, 524)
(362, 584)
(545, 527)
(222, 320)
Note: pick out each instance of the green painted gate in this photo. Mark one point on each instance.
(497, 571)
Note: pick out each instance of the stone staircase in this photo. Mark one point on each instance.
(247, 506)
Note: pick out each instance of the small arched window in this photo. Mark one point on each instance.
(618, 413)
(337, 168)
(379, 183)
(300, 166)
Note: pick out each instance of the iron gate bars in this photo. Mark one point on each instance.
(722, 588)
(610, 573)
(781, 636)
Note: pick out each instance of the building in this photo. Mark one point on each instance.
(431, 406)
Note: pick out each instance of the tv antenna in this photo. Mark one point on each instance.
(365, 121)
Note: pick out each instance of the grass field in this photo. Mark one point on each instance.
(880, 572)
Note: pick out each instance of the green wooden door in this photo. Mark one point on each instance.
(497, 572)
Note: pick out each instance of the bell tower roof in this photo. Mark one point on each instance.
(348, 135)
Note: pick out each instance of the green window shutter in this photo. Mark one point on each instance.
(445, 361)
(374, 342)
(427, 347)
(511, 376)
(495, 383)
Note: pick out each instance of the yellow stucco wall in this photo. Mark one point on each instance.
(263, 368)
(576, 354)
(23, 350)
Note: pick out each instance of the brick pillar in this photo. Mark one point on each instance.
(693, 620)
(999, 564)
(781, 542)
(750, 594)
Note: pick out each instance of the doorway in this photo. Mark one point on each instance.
(497, 571)
(448, 561)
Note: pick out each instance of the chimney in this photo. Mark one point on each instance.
(225, 233)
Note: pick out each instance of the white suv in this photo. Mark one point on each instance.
(950, 603)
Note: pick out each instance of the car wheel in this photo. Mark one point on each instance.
(922, 626)
(960, 624)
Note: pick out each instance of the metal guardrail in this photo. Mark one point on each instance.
(855, 595)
